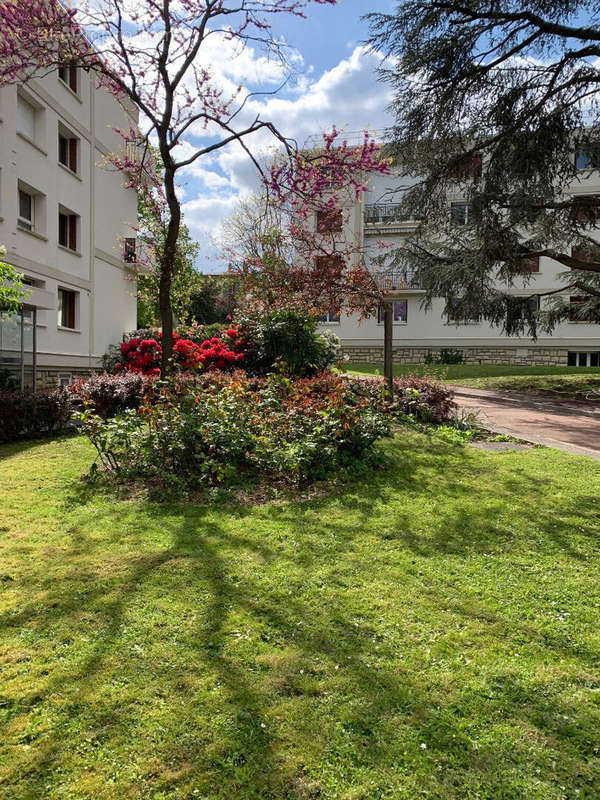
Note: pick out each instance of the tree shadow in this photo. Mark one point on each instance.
(232, 632)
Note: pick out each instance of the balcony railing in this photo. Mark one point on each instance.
(386, 213)
(396, 280)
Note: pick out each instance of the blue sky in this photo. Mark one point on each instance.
(333, 82)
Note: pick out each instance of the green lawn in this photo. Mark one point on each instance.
(470, 372)
(429, 633)
(578, 382)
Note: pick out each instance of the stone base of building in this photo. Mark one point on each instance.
(507, 356)
(48, 377)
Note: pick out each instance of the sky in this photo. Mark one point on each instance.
(333, 81)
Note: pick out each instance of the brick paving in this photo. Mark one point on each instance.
(566, 426)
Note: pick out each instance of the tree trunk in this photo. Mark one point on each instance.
(388, 323)
(167, 266)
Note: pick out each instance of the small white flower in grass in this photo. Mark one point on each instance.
(423, 746)
(262, 725)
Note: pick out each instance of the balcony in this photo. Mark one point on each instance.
(399, 282)
(388, 214)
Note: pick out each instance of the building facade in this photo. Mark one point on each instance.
(418, 333)
(67, 223)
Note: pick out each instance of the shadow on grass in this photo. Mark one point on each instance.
(252, 658)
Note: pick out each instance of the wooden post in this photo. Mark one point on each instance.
(388, 329)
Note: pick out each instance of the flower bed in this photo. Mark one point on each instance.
(225, 429)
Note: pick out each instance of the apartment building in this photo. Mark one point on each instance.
(67, 223)
(417, 333)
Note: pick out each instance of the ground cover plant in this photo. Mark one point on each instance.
(430, 632)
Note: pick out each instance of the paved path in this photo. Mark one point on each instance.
(566, 426)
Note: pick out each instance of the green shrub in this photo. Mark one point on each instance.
(24, 414)
(287, 342)
(446, 356)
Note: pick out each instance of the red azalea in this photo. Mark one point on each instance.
(221, 363)
(232, 333)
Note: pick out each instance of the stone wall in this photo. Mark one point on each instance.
(49, 377)
(509, 356)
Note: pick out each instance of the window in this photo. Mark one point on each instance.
(26, 210)
(461, 213)
(68, 147)
(66, 308)
(453, 310)
(331, 318)
(467, 166)
(67, 229)
(587, 156)
(68, 74)
(329, 221)
(589, 359)
(586, 207)
(399, 312)
(576, 312)
(26, 113)
(129, 251)
(529, 264)
(332, 264)
(531, 303)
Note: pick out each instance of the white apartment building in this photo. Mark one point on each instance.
(67, 223)
(418, 333)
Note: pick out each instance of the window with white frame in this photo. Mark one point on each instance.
(67, 308)
(68, 229)
(68, 149)
(584, 359)
(461, 214)
(26, 118)
(31, 208)
(454, 307)
(330, 318)
(68, 75)
(399, 312)
(26, 210)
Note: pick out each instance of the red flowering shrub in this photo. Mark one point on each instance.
(143, 355)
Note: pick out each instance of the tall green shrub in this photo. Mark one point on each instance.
(287, 342)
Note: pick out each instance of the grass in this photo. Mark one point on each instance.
(565, 382)
(431, 633)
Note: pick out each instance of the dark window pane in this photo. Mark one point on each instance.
(63, 150)
(25, 205)
(63, 230)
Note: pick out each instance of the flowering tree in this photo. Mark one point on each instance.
(314, 257)
(154, 55)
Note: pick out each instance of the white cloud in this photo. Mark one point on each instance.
(348, 96)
